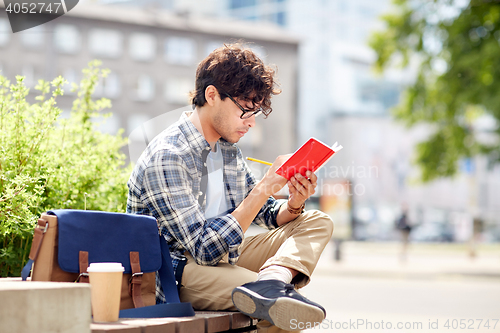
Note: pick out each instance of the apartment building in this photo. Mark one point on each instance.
(152, 55)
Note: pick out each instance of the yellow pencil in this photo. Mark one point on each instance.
(259, 161)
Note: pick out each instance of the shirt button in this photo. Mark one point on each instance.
(200, 193)
(204, 164)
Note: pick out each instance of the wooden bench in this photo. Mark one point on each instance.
(203, 322)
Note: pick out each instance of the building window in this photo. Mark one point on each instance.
(145, 88)
(109, 86)
(67, 39)
(33, 37)
(177, 90)
(180, 51)
(106, 43)
(142, 47)
(280, 18)
(236, 4)
(381, 94)
(112, 86)
(5, 31)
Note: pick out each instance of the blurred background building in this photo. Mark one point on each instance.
(329, 91)
(152, 55)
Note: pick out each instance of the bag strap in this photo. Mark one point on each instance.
(173, 307)
(83, 262)
(178, 273)
(40, 231)
(166, 272)
(134, 285)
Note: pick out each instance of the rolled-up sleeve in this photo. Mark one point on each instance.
(168, 193)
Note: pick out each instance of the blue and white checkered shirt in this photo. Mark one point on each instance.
(165, 183)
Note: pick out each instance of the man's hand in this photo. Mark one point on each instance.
(301, 188)
(272, 182)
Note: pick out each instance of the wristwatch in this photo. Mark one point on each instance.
(299, 210)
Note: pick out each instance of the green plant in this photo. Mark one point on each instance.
(49, 162)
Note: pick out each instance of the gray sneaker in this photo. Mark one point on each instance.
(278, 303)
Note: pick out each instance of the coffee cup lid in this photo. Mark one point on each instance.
(105, 267)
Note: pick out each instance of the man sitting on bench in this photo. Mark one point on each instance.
(193, 179)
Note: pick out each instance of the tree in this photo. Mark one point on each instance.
(457, 47)
(49, 162)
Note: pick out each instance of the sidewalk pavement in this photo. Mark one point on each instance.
(423, 261)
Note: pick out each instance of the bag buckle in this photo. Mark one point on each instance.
(134, 275)
(46, 226)
(81, 274)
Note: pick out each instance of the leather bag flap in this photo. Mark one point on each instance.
(107, 237)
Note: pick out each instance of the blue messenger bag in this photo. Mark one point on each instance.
(66, 241)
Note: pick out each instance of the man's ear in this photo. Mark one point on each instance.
(211, 94)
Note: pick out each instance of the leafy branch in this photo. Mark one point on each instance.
(456, 50)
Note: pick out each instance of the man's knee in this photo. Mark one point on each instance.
(323, 220)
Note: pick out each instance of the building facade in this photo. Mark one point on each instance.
(152, 56)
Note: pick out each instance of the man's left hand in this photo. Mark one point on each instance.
(301, 188)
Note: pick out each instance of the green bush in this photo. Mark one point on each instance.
(49, 162)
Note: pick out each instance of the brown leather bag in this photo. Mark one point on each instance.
(138, 287)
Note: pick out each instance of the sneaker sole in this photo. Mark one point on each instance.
(285, 313)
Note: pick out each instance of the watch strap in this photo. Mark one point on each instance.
(299, 210)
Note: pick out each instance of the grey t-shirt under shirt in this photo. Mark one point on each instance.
(216, 193)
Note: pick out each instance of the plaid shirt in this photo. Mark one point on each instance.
(165, 183)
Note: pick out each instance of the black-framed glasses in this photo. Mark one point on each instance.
(248, 113)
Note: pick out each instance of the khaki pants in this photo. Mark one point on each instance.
(297, 244)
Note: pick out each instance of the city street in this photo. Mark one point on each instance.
(436, 290)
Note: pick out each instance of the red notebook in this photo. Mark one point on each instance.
(311, 156)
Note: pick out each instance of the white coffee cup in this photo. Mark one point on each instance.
(105, 290)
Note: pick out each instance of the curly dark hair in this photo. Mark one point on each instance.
(237, 71)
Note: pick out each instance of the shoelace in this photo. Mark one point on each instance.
(289, 287)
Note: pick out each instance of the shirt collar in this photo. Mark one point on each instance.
(195, 139)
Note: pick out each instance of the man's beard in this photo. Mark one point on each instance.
(222, 129)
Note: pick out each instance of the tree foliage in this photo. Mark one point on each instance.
(53, 162)
(457, 47)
